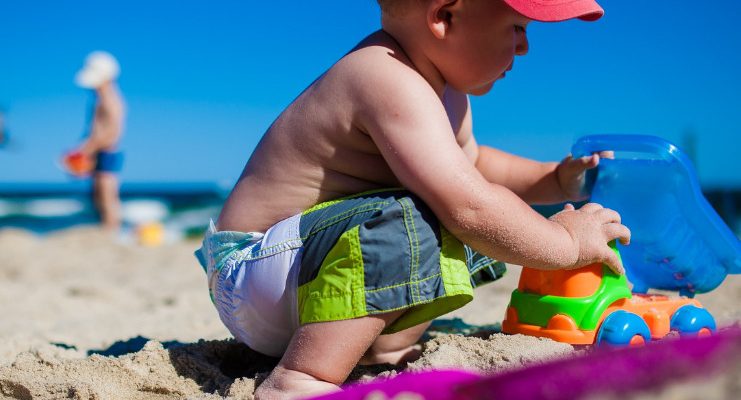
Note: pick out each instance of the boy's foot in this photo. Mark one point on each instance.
(394, 357)
(288, 384)
(321, 355)
(397, 348)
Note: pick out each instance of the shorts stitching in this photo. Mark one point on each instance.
(268, 251)
(415, 270)
(341, 217)
(412, 249)
(409, 305)
(403, 284)
(331, 296)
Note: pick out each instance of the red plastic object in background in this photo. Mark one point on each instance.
(78, 164)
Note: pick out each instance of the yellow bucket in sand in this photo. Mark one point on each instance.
(150, 234)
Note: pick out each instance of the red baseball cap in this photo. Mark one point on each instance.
(557, 10)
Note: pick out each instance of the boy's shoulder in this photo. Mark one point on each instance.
(378, 78)
(378, 64)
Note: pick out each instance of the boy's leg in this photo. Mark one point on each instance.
(106, 196)
(349, 246)
(321, 355)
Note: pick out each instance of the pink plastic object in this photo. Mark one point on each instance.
(429, 385)
(620, 373)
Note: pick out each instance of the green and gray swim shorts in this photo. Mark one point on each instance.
(361, 255)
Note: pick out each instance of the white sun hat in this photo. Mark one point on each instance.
(99, 68)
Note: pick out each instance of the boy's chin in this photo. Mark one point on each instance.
(481, 90)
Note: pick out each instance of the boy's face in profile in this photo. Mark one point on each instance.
(484, 36)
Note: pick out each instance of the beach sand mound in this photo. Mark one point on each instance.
(497, 352)
(225, 368)
(142, 375)
(207, 369)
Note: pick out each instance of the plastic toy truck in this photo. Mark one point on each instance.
(594, 305)
(678, 243)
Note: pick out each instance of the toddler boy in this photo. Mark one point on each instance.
(350, 218)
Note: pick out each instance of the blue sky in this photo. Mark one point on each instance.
(204, 80)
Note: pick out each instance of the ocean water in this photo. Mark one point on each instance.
(184, 209)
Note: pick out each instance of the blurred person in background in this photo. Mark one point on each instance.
(98, 155)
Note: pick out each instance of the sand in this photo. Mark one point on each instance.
(86, 318)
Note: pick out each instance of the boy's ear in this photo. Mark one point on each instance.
(440, 16)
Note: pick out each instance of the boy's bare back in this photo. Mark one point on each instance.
(319, 149)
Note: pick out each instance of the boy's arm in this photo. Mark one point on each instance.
(539, 182)
(535, 182)
(408, 123)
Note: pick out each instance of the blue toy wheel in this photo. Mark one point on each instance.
(623, 328)
(690, 320)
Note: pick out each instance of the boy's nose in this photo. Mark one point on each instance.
(521, 45)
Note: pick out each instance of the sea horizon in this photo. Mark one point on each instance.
(185, 208)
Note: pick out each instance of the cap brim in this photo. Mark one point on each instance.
(89, 79)
(557, 10)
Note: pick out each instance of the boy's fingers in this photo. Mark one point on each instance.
(612, 261)
(593, 161)
(591, 207)
(568, 207)
(609, 215)
(586, 162)
(568, 162)
(618, 231)
(607, 154)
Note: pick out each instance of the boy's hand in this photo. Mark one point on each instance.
(591, 228)
(571, 172)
